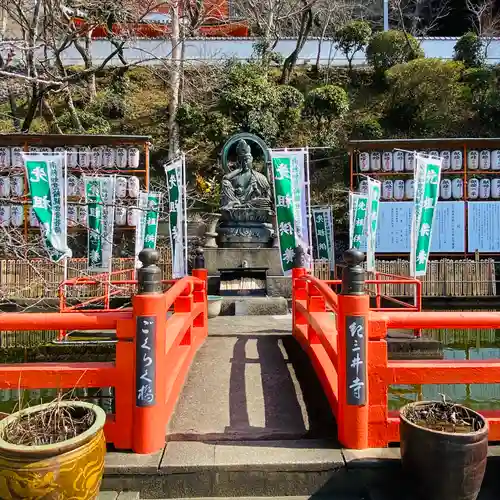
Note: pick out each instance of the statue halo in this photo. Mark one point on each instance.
(234, 140)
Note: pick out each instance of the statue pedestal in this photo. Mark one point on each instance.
(245, 228)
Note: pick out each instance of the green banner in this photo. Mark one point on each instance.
(323, 228)
(47, 195)
(374, 188)
(146, 229)
(358, 204)
(176, 210)
(427, 177)
(100, 200)
(290, 193)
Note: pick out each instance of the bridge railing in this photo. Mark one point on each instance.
(153, 353)
(350, 355)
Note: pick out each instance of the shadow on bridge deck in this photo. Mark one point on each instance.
(251, 381)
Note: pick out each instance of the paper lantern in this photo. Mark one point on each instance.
(96, 157)
(457, 189)
(364, 162)
(133, 185)
(121, 157)
(121, 187)
(473, 189)
(82, 215)
(132, 216)
(434, 155)
(375, 161)
(108, 157)
(485, 159)
(81, 187)
(495, 159)
(72, 156)
(33, 219)
(4, 157)
(410, 162)
(495, 189)
(410, 189)
(72, 215)
(387, 190)
(16, 215)
(4, 215)
(84, 156)
(4, 187)
(399, 189)
(387, 161)
(363, 187)
(45, 150)
(134, 157)
(457, 158)
(120, 216)
(73, 185)
(446, 160)
(16, 157)
(398, 161)
(17, 185)
(484, 189)
(473, 160)
(445, 189)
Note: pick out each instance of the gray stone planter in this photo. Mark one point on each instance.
(214, 306)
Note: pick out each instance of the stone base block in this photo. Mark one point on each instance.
(254, 306)
(224, 258)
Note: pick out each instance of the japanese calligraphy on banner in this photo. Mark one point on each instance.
(394, 227)
(372, 221)
(291, 198)
(146, 229)
(175, 173)
(323, 227)
(484, 226)
(145, 360)
(100, 200)
(427, 177)
(356, 369)
(48, 197)
(358, 204)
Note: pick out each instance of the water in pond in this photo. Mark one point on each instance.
(474, 345)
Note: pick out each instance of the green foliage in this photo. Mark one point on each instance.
(327, 103)
(367, 127)
(469, 50)
(425, 96)
(352, 37)
(388, 48)
(91, 123)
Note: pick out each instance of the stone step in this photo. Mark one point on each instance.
(119, 495)
(254, 306)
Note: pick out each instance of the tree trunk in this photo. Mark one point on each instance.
(306, 22)
(175, 80)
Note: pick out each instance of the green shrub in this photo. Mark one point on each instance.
(469, 49)
(351, 38)
(426, 95)
(327, 102)
(388, 48)
(367, 127)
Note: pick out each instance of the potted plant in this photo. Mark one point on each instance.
(53, 450)
(444, 448)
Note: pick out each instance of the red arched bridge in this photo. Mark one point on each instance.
(158, 337)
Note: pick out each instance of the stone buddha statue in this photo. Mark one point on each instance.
(246, 205)
(245, 187)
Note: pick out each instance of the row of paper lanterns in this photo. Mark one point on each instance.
(448, 189)
(13, 215)
(398, 161)
(78, 156)
(125, 186)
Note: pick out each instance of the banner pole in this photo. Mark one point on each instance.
(184, 208)
(309, 215)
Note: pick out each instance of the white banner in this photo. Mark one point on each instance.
(374, 188)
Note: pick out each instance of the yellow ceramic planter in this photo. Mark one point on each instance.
(70, 470)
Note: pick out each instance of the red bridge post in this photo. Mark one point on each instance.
(150, 315)
(353, 357)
